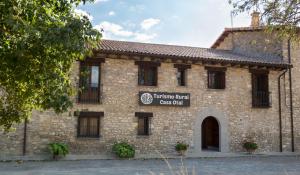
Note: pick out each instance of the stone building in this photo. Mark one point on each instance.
(154, 95)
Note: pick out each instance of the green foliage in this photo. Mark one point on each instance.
(282, 16)
(39, 42)
(58, 149)
(123, 150)
(180, 146)
(250, 146)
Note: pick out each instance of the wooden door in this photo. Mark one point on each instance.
(210, 134)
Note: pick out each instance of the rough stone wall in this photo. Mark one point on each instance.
(268, 44)
(12, 143)
(168, 125)
(258, 43)
(295, 54)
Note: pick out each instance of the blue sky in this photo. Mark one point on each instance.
(181, 22)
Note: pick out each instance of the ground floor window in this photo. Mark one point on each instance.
(89, 124)
(143, 122)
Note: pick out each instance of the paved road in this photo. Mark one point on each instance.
(208, 166)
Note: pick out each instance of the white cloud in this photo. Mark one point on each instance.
(116, 31)
(111, 13)
(83, 13)
(143, 37)
(148, 23)
(137, 8)
(98, 1)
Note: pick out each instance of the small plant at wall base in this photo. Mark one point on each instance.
(58, 150)
(181, 148)
(123, 150)
(250, 147)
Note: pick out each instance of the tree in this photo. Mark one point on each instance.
(280, 15)
(39, 42)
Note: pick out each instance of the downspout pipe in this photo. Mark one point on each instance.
(279, 109)
(291, 97)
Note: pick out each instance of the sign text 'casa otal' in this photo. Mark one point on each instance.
(164, 99)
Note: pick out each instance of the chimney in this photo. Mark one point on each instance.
(255, 19)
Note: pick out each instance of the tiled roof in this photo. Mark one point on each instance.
(185, 52)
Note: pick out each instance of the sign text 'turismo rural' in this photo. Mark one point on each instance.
(164, 99)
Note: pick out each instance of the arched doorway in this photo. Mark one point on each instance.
(210, 134)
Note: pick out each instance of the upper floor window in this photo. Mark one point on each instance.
(260, 88)
(90, 80)
(182, 73)
(144, 122)
(216, 77)
(147, 74)
(89, 124)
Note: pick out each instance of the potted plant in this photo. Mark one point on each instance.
(250, 146)
(58, 150)
(123, 150)
(181, 148)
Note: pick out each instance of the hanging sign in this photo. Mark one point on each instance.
(164, 99)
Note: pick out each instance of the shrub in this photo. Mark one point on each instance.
(58, 149)
(123, 150)
(250, 146)
(180, 146)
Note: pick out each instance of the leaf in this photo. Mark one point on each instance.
(40, 41)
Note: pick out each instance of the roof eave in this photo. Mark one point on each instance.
(196, 59)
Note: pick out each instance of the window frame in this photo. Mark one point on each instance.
(182, 69)
(259, 95)
(221, 72)
(90, 62)
(147, 66)
(146, 117)
(89, 115)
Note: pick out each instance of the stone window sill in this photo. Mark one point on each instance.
(88, 138)
(143, 136)
(182, 86)
(210, 89)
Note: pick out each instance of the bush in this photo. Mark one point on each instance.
(250, 146)
(180, 146)
(58, 149)
(123, 150)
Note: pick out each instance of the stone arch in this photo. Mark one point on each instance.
(223, 129)
(210, 129)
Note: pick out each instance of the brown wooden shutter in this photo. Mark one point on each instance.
(155, 76)
(93, 126)
(146, 125)
(254, 89)
(223, 80)
(89, 124)
(83, 125)
(141, 125)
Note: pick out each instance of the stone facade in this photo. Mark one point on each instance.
(254, 43)
(232, 107)
(261, 43)
(295, 53)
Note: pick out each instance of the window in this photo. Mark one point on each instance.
(181, 76)
(181, 73)
(260, 89)
(89, 83)
(89, 124)
(143, 122)
(216, 77)
(147, 74)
